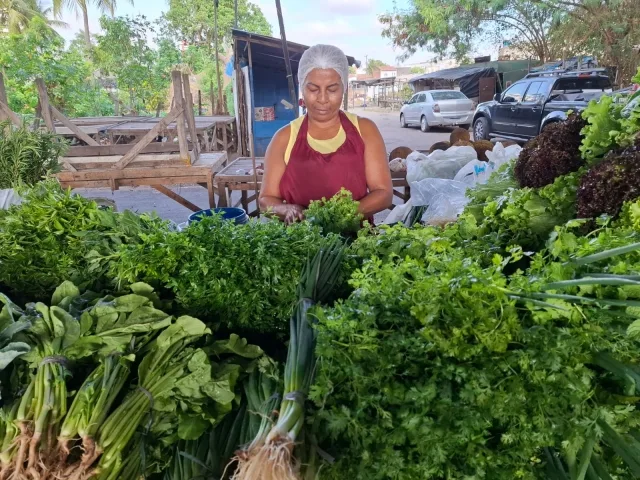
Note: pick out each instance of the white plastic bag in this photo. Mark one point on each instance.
(478, 172)
(8, 197)
(445, 199)
(439, 164)
(398, 214)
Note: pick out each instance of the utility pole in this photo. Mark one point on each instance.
(287, 61)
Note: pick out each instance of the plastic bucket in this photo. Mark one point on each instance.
(236, 215)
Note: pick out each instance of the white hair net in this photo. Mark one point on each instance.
(323, 57)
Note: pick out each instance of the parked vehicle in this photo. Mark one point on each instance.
(437, 108)
(529, 105)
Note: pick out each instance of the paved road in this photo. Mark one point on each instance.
(143, 199)
(394, 136)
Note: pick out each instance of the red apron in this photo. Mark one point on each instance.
(311, 175)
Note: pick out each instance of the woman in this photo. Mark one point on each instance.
(326, 150)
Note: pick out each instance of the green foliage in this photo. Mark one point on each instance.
(526, 216)
(373, 65)
(241, 276)
(451, 28)
(40, 52)
(26, 156)
(193, 20)
(56, 236)
(603, 127)
(142, 73)
(337, 215)
(431, 370)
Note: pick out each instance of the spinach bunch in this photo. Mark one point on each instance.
(431, 369)
(56, 236)
(241, 276)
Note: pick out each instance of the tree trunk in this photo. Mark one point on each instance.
(85, 17)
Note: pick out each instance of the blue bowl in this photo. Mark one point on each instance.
(236, 215)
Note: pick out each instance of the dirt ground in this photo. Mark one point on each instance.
(143, 199)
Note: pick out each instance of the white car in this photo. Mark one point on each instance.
(437, 108)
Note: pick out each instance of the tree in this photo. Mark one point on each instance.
(15, 15)
(82, 6)
(192, 21)
(417, 70)
(40, 52)
(449, 28)
(143, 73)
(606, 30)
(373, 65)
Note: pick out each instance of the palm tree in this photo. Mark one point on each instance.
(15, 15)
(82, 6)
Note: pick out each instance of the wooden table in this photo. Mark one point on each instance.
(217, 133)
(235, 177)
(92, 130)
(202, 173)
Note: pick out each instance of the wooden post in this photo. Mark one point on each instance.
(188, 111)
(44, 102)
(179, 106)
(287, 60)
(251, 144)
(199, 103)
(3, 98)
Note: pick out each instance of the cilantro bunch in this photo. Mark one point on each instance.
(337, 215)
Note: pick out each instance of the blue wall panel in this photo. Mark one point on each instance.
(270, 86)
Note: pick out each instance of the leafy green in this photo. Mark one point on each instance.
(241, 276)
(26, 156)
(55, 236)
(603, 127)
(433, 369)
(337, 215)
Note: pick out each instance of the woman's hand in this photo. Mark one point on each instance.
(290, 213)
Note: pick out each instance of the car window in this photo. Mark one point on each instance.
(414, 99)
(515, 93)
(448, 96)
(583, 83)
(535, 93)
(422, 98)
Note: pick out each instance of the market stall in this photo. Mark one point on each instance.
(239, 176)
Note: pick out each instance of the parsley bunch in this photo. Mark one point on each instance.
(337, 215)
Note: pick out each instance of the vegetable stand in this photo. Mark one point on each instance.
(238, 176)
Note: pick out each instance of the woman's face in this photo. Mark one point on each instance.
(323, 94)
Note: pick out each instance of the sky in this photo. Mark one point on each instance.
(350, 24)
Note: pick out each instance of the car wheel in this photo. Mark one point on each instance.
(403, 122)
(424, 125)
(481, 129)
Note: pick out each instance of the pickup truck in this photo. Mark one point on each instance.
(524, 109)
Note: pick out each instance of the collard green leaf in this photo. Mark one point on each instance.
(192, 427)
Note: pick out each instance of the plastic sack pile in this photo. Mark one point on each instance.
(439, 181)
